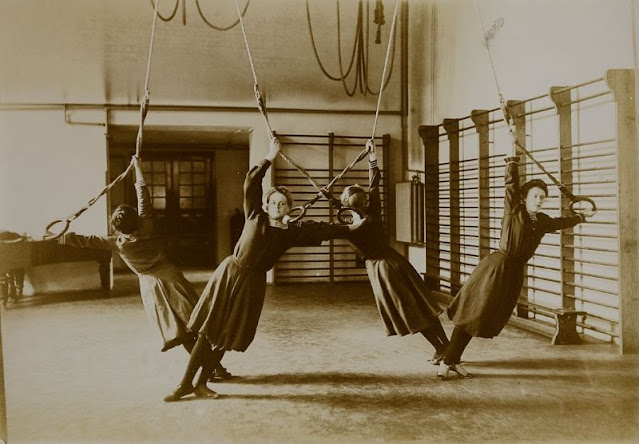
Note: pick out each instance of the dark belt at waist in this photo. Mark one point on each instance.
(248, 267)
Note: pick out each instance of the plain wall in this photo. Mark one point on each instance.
(542, 43)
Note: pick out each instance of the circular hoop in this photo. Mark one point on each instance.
(579, 199)
(302, 210)
(50, 235)
(340, 216)
(13, 241)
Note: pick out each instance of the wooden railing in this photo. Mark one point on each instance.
(585, 136)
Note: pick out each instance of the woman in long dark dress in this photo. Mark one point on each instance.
(167, 296)
(405, 304)
(227, 314)
(487, 299)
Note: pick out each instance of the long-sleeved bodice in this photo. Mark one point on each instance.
(261, 245)
(370, 241)
(520, 235)
(142, 251)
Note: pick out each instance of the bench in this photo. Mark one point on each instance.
(565, 322)
(18, 254)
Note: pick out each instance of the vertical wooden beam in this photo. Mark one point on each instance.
(561, 100)
(480, 119)
(389, 197)
(331, 243)
(405, 99)
(622, 84)
(430, 138)
(517, 109)
(3, 400)
(452, 130)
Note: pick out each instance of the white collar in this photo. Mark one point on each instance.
(283, 224)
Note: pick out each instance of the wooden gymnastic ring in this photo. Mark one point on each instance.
(341, 210)
(48, 235)
(578, 199)
(301, 209)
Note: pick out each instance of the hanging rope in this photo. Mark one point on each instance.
(324, 191)
(220, 28)
(138, 145)
(202, 16)
(261, 104)
(170, 17)
(360, 50)
(488, 36)
(302, 209)
(390, 38)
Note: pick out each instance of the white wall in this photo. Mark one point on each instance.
(49, 170)
(542, 43)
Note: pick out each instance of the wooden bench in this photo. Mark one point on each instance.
(565, 322)
(18, 254)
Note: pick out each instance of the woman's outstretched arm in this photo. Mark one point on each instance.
(511, 182)
(253, 181)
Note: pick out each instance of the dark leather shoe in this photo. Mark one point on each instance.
(202, 391)
(220, 373)
(179, 392)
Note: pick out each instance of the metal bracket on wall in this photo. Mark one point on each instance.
(68, 121)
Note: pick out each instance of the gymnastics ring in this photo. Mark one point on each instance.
(48, 235)
(302, 210)
(340, 216)
(13, 241)
(578, 199)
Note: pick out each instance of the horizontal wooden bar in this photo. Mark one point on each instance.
(583, 99)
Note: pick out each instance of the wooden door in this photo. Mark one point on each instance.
(183, 204)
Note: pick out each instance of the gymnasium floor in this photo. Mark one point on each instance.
(84, 369)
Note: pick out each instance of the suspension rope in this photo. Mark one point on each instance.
(138, 144)
(390, 38)
(261, 105)
(488, 36)
(364, 152)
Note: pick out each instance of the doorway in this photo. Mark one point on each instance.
(183, 196)
(194, 176)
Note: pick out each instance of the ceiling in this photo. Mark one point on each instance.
(96, 51)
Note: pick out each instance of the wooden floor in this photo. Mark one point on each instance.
(87, 369)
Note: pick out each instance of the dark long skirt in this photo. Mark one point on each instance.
(484, 304)
(230, 306)
(404, 302)
(168, 300)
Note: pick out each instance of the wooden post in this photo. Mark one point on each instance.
(517, 109)
(430, 138)
(622, 84)
(389, 198)
(331, 243)
(480, 119)
(561, 100)
(452, 130)
(3, 400)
